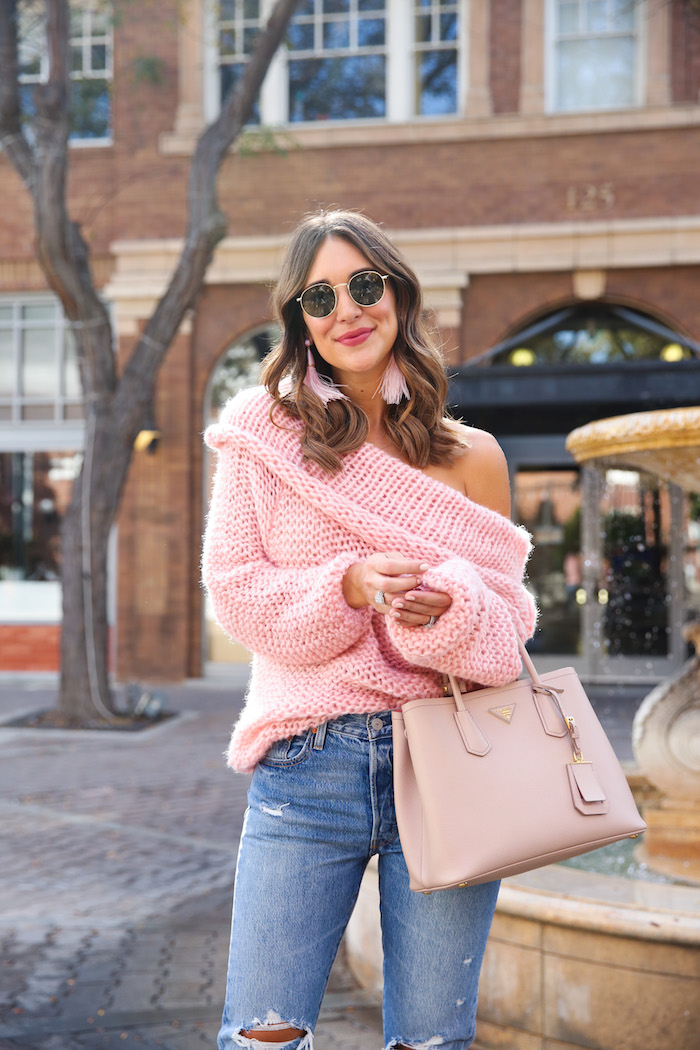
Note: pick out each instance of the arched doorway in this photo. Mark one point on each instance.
(616, 552)
(237, 368)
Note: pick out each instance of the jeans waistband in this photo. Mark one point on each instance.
(373, 726)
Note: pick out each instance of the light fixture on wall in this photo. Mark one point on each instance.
(148, 437)
(522, 357)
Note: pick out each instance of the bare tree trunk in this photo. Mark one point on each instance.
(115, 408)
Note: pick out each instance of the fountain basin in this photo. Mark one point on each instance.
(574, 960)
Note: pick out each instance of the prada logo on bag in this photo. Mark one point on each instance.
(504, 713)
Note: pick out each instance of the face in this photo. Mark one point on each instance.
(355, 341)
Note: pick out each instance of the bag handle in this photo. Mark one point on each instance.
(528, 664)
(526, 661)
(568, 723)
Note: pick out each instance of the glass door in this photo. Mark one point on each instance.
(548, 504)
(615, 565)
(635, 582)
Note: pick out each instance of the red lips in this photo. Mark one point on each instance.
(354, 338)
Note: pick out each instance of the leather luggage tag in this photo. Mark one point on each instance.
(586, 792)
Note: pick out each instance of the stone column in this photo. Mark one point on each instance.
(478, 103)
(532, 66)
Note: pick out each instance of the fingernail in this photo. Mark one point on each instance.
(398, 605)
(395, 615)
(424, 568)
(410, 597)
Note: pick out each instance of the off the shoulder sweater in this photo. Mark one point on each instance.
(280, 536)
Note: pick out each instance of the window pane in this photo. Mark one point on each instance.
(76, 58)
(92, 109)
(98, 58)
(336, 34)
(423, 30)
(100, 22)
(30, 413)
(371, 5)
(227, 43)
(622, 14)
(39, 377)
(76, 21)
(371, 32)
(44, 312)
(73, 412)
(301, 36)
(7, 362)
(568, 18)
(251, 9)
(335, 7)
(337, 88)
(71, 375)
(595, 74)
(35, 489)
(596, 20)
(448, 27)
(230, 74)
(5, 313)
(436, 73)
(250, 39)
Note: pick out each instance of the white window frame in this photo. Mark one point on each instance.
(16, 433)
(88, 40)
(400, 49)
(551, 41)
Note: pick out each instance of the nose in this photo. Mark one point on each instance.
(346, 308)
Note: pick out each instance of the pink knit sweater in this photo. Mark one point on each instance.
(280, 536)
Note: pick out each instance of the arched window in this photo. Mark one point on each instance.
(592, 334)
(239, 367)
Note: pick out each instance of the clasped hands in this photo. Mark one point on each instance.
(399, 579)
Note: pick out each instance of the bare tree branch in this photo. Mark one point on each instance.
(206, 223)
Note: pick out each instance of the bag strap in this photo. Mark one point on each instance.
(528, 664)
(537, 687)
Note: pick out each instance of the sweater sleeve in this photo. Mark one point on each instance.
(297, 616)
(476, 639)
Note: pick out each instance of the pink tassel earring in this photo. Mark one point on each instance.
(323, 387)
(393, 386)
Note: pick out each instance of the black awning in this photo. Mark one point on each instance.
(543, 399)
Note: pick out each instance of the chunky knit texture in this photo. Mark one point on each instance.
(280, 536)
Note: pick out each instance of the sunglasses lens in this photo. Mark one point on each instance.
(366, 288)
(318, 300)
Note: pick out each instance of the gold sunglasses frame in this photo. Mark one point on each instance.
(343, 284)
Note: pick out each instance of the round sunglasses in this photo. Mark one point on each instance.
(366, 289)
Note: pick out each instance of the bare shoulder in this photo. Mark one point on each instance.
(482, 468)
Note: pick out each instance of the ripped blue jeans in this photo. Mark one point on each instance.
(320, 805)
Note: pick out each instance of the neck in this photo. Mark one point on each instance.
(363, 390)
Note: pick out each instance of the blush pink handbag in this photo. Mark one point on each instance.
(497, 781)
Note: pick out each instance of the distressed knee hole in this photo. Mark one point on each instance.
(273, 1033)
(398, 1044)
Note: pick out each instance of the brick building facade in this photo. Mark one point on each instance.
(521, 197)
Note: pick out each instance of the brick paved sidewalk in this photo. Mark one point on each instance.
(117, 857)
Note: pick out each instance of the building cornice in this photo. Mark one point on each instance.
(328, 135)
(444, 257)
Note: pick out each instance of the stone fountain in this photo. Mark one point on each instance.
(666, 731)
(578, 959)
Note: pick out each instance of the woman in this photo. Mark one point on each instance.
(359, 544)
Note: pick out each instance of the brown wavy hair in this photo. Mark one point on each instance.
(417, 425)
